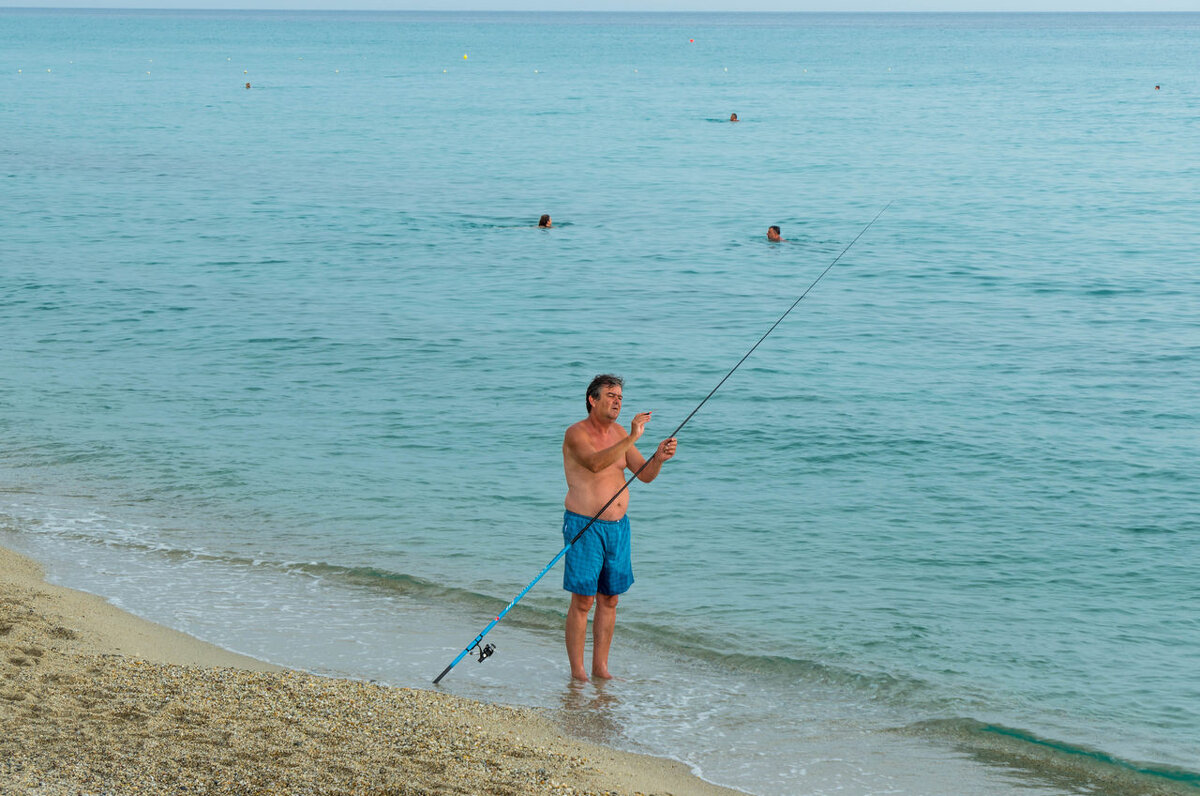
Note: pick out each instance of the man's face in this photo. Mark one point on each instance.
(608, 405)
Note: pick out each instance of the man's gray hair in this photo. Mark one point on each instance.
(603, 380)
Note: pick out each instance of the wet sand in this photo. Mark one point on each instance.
(94, 700)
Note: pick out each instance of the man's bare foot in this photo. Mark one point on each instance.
(602, 673)
(580, 676)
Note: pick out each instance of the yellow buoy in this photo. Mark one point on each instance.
(464, 56)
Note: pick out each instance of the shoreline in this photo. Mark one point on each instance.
(94, 699)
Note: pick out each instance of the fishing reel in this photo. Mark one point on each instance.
(485, 651)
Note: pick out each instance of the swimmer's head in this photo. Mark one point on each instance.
(544, 221)
(733, 117)
(773, 233)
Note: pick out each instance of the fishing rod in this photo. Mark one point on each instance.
(486, 650)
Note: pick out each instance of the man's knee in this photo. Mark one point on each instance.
(608, 601)
(582, 602)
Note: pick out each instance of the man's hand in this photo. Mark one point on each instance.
(639, 424)
(666, 449)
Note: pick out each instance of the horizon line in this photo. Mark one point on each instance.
(6, 7)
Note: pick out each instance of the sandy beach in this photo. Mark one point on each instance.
(96, 701)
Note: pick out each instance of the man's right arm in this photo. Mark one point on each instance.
(580, 449)
(578, 445)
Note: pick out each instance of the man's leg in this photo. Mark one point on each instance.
(602, 633)
(577, 619)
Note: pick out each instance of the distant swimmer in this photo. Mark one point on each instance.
(1156, 88)
(544, 221)
(733, 117)
(247, 85)
(773, 235)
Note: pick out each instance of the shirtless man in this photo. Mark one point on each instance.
(596, 452)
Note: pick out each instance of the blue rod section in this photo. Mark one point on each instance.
(508, 607)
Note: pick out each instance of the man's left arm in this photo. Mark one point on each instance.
(634, 460)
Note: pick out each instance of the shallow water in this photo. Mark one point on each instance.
(288, 368)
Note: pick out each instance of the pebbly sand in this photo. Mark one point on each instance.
(96, 701)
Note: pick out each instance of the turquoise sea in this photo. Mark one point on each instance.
(288, 368)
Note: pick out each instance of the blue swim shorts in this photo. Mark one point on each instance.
(601, 561)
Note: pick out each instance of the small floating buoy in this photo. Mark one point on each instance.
(464, 56)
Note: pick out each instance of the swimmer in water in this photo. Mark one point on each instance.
(773, 235)
(544, 221)
(733, 117)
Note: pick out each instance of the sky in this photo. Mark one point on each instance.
(634, 5)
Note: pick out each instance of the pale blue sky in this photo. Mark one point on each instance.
(638, 5)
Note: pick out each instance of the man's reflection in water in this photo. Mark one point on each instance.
(589, 711)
